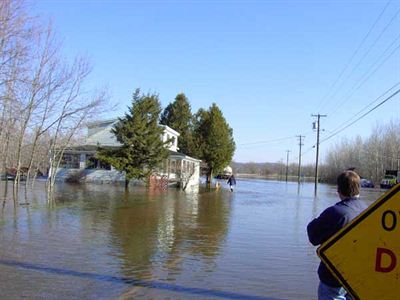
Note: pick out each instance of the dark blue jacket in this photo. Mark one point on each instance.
(231, 180)
(327, 224)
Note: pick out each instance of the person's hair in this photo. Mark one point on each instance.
(348, 184)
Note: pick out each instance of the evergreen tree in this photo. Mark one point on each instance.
(178, 116)
(142, 150)
(213, 139)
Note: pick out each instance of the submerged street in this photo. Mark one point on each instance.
(100, 242)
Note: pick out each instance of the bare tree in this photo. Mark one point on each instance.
(72, 117)
(42, 96)
(15, 33)
(370, 157)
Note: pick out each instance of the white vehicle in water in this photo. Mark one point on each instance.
(225, 174)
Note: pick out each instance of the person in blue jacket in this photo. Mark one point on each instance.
(232, 182)
(331, 221)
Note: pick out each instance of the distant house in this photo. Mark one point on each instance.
(80, 164)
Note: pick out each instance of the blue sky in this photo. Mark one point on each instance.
(267, 64)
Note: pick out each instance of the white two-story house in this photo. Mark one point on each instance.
(79, 163)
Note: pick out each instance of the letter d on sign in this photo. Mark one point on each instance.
(378, 262)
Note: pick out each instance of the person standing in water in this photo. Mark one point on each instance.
(331, 221)
(232, 182)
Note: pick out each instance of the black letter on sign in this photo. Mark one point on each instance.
(394, 220)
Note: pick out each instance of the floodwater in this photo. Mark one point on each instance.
(100, 242)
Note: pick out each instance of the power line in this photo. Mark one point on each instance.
(367, 106)
(353, 56)
(367, 75)
(367, 152)
(267, 141)
(304, 153)
(368, 51)
(272, 140)
(365, 114)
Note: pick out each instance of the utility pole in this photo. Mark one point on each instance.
(317, 126)
(287, 163)
(300, 144)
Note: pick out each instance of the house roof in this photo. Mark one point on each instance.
(104, 137)
(99, 122)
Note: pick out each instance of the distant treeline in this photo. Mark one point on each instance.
(369, 157)
(267, 169)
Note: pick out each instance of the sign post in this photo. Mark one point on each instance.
(365, 255)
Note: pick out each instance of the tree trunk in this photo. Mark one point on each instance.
(126, 183)
(34, 176)
(209, 177)
(6, 149)
(32, 157)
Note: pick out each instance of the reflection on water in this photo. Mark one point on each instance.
(100, 242)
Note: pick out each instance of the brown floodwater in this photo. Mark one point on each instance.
(100, 242)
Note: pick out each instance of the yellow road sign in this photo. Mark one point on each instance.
(365, 255)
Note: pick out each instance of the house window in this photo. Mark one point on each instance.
(184, 166)
(70, 161)
(93, 163)
(173, 166)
